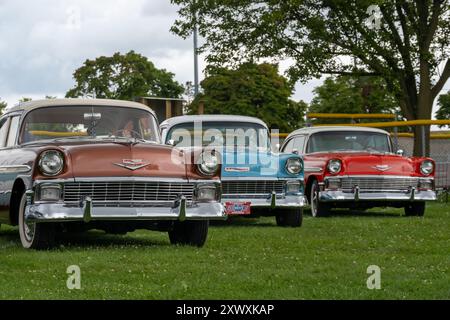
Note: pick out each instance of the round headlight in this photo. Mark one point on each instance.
(294, 165)
(334, 166)
(208, 163)
(51, 162)
(427, 167)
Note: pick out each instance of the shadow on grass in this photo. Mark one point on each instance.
(242, 222)
(363, 213)
(91, 239)
(100, 239)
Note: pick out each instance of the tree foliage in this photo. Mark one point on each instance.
(406, 42)
(348, 94)
(123, 77)
(254, 90)
(3, 106)
(444, 107)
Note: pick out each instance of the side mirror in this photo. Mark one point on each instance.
(171, 142)
(295, 151)
(400, 152)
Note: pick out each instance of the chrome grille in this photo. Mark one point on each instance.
(379, 183)
(252, 187)
(127, 191)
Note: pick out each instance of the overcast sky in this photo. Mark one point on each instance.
(43, 41)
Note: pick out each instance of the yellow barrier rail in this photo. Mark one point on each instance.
(391, 124)
(400, 135)
(350, 116)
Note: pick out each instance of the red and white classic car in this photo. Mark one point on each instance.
(357, 168)
(75, 164)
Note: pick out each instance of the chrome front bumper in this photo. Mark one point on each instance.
(271, 201)
(88, 210)
(86, 213)
(357, 195)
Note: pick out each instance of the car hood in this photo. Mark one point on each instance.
(124, 160)
(256, 164)
(367, 163)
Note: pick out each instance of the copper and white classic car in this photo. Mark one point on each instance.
(75, 164)
(357, 168)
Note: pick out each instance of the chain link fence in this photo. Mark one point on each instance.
(439, 151)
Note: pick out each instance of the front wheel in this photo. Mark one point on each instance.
(34, 235)
(318, 209)
(415, 209)
(193, 233)
(290, 218)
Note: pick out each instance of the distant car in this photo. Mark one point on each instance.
(252, 175)
(357, 168)
(75, 164)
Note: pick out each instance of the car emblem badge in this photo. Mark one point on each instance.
(382, 167)
(132, 164)
(237, 169)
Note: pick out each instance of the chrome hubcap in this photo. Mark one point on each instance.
(29, 228)
(315, 200)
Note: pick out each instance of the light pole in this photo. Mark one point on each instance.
(196, 89)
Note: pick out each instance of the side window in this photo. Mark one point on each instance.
(289, 146)
(298, 143)
(4, 125)
(13, 130)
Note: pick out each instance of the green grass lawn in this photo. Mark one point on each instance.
(245, 259)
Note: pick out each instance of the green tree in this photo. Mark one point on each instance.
(444, 107)
(25, 99)
(349, 94)
(251, 89)
(123, 77)
(406, 42)
(3, 106)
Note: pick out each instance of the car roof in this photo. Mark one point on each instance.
(211, 117)
(35, 104)
(311, 130)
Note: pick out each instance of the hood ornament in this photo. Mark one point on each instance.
(132, 164)
(382, 168)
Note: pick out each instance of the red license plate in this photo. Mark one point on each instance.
(237, 208)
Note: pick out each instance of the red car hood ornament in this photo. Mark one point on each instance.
(382, 168)
(132, 164)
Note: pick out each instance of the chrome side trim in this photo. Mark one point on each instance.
(313, 169)
(15, 169)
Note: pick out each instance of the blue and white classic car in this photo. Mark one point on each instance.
(252, 175)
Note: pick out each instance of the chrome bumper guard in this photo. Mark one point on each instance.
(272, 200)
(87, 211)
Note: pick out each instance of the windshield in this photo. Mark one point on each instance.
(78, 122)
(220, 134)
(349, 141)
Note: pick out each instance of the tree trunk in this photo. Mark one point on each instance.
(420, 143)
